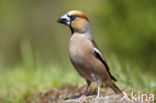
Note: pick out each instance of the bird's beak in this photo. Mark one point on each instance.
(65, 19)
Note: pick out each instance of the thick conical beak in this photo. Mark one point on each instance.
(64, 20)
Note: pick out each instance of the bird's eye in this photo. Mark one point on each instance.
(72, 17)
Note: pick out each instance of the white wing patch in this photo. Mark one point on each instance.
(97, 50)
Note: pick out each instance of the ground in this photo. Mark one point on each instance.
(71, 94)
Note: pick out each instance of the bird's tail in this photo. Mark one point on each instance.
(114, 87)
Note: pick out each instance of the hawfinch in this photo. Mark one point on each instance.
(84, 54)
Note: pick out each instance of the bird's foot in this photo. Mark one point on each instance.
(97, 97)
(83, 96)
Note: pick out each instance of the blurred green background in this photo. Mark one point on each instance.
(34, 47)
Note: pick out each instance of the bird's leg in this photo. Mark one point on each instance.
(99, 85)
(88, 84)
(85, 92)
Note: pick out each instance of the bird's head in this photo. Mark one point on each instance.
(76, 20)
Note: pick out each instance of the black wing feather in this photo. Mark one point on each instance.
(103, 61)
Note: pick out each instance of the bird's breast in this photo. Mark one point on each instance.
(82, 57)
(79, 48)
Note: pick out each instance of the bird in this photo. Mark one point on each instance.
(84, 53)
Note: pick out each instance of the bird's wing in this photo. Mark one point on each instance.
(99, 56)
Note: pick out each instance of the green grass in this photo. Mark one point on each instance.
(133, 77)
(18, 84)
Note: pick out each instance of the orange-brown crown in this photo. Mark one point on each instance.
(78, 13)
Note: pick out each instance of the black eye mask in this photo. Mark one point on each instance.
(73, 17)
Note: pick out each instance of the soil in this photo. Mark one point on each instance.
(72, 94)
